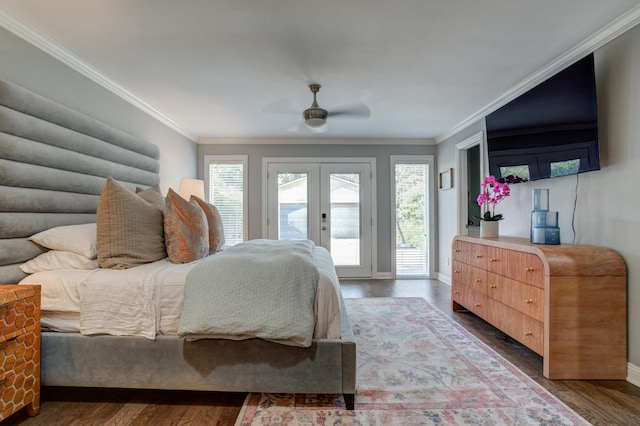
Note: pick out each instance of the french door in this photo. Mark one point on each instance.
(328, 203)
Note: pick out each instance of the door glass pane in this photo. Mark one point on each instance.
(226, 192)
(293, 202)
(344, 198)
(411, 224)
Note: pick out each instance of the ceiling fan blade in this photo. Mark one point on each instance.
(282, 106)
(358, 110)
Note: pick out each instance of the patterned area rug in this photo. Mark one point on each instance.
(416, 366)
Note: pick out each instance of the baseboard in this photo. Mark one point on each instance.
(633, 374)
(382, 276)
(444, 278)
(389, 276)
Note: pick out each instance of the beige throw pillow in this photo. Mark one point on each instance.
(130, 230)
(152, 195)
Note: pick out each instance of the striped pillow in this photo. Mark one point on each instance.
(130, 231)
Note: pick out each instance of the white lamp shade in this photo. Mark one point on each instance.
(189, 187)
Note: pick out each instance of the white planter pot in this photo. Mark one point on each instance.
(489, 228)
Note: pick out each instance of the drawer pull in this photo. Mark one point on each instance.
(457, 250)
(478, 280)
(528, 301)
(456, 272)
(478, 256)
(493, 259)
(530, 269)
(493, 286)
(456, 292)
(528, 333)
(477, 305)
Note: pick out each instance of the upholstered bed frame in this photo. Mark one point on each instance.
(53, 165)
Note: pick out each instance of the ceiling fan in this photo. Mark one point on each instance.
(315, 117)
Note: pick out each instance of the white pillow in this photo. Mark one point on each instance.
(80, 239)
(57, 259)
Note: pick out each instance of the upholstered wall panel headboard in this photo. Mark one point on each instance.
(53, 165)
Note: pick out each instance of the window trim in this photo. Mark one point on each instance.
(232, 159)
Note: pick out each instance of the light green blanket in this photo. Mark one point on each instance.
(260, 288)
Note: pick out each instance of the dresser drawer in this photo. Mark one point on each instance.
(456, 251)
(471, 254)
(456, 293)
(470, 276)
(19, 311)
(519, 326)
(497, 259)
(476, 255)
(532, 334)
(528, 299)
(20, 389)
(470, 299)
(522, 297)
(524, 267)
(19, 349)
(477, 303)
(16, 353)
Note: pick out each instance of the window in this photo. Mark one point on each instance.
(412, 226)
(226, 181)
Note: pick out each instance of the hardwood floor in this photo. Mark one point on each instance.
(600, 402)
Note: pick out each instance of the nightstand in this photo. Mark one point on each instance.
(19, 349)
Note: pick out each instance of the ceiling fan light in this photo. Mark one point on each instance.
(315, 122)
(315, 117)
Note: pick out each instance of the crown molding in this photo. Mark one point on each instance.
(314, 141)
(617, 27)
(66, 57)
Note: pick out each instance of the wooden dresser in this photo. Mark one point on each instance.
(565, 302)
(19, 349)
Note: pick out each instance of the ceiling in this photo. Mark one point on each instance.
(240, 68)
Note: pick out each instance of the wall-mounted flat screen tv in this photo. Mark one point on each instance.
(549, 131)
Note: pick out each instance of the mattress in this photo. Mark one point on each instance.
(157, 302)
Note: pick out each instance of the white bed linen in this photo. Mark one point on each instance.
(148, 299)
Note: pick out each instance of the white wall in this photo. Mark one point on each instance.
(606, 201)
(25, 65)
(447, 201)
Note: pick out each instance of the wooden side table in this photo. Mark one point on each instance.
(19, 349)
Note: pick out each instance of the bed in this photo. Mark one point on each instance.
(54, 163)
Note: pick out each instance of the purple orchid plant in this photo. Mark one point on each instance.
(493, 192)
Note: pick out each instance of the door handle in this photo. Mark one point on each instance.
(324, 228)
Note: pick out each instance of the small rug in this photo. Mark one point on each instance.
(416, 366)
